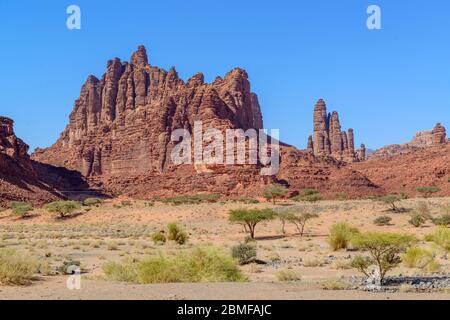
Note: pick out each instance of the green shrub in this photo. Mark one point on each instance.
(384, 251)
(177, 234)
(245, 253)
(92, 202)
(124, 272)
(308, 195)
(274, 192)
(21, 209)
(336, 284)
(62, 208)
(248, 200)
(382, 221)
(416, 257)
(341, 196)
(286, 275)
(15, 268)
(428, 191)
(443, 220)
(417, 219)
(251, 217)
(191, 199)
(207, 264)
(340, 235)
(159, 238)
(441, 237)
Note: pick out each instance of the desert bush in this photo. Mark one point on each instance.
(251, 217)
(382, 220)
(384, 251)
(274, 192)
(287, 275)
(340, 235)
(417, 219)
(16, 268)
(336, 284)
(159, 238)
(191, 199)
(245, 253)
(207, 264)
(176, 233)
(247, 200)
(423, 209)
(126, 203)
(92, 202)
(416, 257)
(443, 220)
(21, 209)
(308, 195)
(62, 208)
(313, 263)
(441, 237)
(428, 191)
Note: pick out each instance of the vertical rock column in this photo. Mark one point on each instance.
(321, 138)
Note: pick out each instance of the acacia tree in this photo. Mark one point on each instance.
(251, 217)
(384, 250)
(428, 191)
(274, 192)
(62, 208)
(391, 200)
(298, 219)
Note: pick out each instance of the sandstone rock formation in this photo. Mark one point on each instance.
(18, 179)
(329, 140)
(122, 124)
(422, 139)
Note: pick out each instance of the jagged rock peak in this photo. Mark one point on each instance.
(139, 58)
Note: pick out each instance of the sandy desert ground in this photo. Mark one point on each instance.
(113, 232)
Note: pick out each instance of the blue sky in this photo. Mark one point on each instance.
(386, 84)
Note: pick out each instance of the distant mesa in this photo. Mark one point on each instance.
(329, 140)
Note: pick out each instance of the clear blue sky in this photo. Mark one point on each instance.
(386, 84)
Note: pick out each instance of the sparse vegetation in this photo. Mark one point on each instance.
(292, 215)
(340, 235)
(92, 202)
(176, 233)
(62, 208)
(392, 201)
(274, 192)
(336, 284)
(384, 250)
(21, 209)
(191, 199)
(428, 191)
(443, 220)
(251, 217)
(308, 195)
(417, 219)
(287, 275)
(207, 264)
(382, 221)
(416, 257)
(159, 238)
(16, 268)
(441, 237)
(244, 253)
